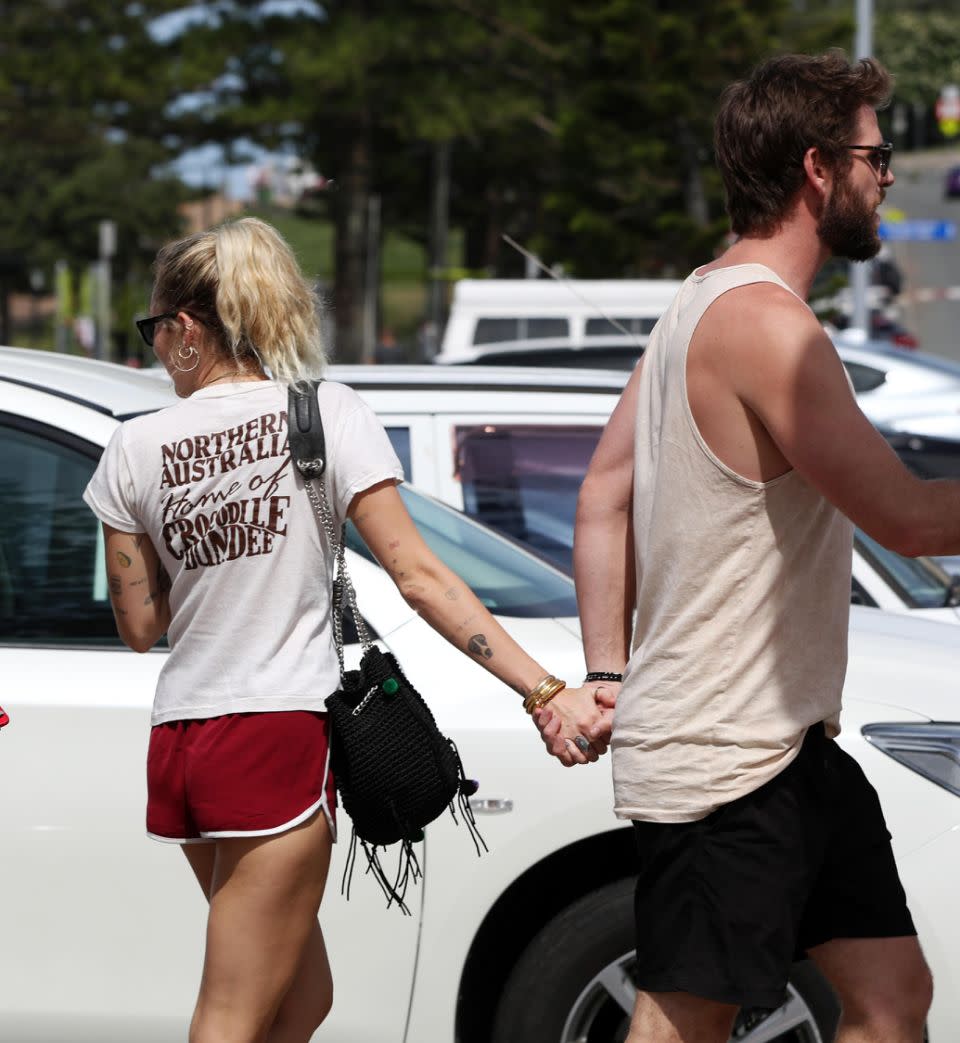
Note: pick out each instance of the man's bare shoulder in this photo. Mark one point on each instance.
(753, 318)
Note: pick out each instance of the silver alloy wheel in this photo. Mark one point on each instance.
(601, 1013)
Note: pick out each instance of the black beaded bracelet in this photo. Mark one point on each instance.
(602, 675)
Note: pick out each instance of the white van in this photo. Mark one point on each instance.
(504, 317)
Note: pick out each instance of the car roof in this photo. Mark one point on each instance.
(882, 355)
(479, 378)
(118, 391)
(121, 391)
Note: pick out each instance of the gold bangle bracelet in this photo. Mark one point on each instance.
(543, 692)
(537, 690)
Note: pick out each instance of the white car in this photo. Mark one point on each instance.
(102, 930)
(510, 447)
(907, 391)
(900, 391)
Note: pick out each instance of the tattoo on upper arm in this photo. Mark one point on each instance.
(138, 582)
(115, 585)
(479, 647)
(125, 560)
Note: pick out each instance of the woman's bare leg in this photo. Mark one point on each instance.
(266, 976)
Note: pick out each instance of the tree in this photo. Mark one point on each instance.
(370, 92)
(81, 133)
(632, 189)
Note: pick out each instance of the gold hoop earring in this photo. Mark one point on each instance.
(181, 354)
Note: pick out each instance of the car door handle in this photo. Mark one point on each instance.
(491, 805)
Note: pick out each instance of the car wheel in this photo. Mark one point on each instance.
(575, 984)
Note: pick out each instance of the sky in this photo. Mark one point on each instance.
(205, 167)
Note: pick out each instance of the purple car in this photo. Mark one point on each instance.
(951, 186)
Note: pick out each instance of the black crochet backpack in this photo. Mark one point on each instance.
(395, 770)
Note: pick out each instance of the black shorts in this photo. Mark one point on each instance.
(725, 904)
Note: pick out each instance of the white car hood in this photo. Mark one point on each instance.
(882, 644)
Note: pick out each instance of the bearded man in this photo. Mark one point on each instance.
(712, 561)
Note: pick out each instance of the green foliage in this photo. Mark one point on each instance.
(83, 96)
(922, 49)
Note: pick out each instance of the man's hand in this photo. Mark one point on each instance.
(606, 693)
(574, 726)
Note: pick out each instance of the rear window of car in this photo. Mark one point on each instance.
(523, 480)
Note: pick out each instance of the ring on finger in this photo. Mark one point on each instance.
(581, 743)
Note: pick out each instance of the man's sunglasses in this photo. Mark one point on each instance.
(148, 326)
(878, 156)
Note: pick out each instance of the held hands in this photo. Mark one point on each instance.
(575, 724)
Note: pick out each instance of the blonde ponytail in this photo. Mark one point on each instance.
(243, 282)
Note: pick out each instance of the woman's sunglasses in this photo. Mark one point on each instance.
(148, 326)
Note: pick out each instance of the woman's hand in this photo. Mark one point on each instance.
(574, 726)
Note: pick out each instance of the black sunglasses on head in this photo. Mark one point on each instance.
(878, 156)
(148, 326)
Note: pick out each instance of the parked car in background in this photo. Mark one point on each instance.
(511, 446)
(505, 315)
(103, 930)
(951, 183)
(904, 394)
(912, 392)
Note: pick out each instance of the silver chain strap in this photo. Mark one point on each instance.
(342, 584)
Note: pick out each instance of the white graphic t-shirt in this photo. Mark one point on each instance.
(211, 482)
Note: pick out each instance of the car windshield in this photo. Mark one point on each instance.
(919, 581)
(509, 580)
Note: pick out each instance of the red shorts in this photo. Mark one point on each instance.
(239, 775)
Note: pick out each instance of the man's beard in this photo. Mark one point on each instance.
(847, 227)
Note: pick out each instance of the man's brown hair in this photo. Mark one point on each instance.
(767, 122)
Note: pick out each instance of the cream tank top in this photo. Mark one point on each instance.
(743, 596)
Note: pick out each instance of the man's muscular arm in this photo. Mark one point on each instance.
(795, 383)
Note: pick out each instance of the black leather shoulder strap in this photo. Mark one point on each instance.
(307, 444)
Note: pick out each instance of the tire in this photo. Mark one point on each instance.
(574, 984)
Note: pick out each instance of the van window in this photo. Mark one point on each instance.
(523, 480)
(494, 331)
(607, 328)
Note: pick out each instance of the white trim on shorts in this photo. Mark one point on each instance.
(206, 838)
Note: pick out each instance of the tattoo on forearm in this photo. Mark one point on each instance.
(115, 585)
(451, 594)
(479, 647)
(125, 560)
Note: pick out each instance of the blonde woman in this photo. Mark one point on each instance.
(211, 539)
